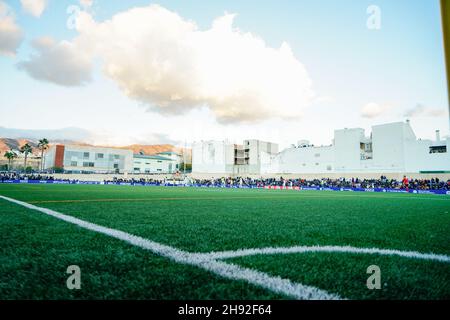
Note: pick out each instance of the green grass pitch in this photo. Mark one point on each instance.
(36, 249)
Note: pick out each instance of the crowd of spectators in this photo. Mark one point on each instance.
(116, 180)
(382, 182)
(18, 176)
(4, 176)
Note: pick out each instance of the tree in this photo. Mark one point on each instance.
(26, 149)
(185, 167)
(10, 155)
(42, 145)
(58, 170)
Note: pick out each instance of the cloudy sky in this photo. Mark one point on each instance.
(173, 71)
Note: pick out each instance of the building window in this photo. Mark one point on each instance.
(317, 155)
(116, 156)
(116, 166)
(137, 169)
(211, 151)
(73, 164)
(329, 168)
(159, 161)
(438, 149)
(86, 155)
(100, 155)
(88, 164)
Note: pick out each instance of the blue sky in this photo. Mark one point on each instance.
(398, 70)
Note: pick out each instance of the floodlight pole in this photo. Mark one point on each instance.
(445, 11)
(184, 158)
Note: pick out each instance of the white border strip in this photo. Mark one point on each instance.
(328, 249)
(226, 270)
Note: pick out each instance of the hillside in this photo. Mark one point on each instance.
(7, 144)
(151, 149)
(154, 149)
(15, 144)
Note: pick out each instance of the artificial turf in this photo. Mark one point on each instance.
(37, 248)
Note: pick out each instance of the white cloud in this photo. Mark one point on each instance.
(324, 100)
(62, 63)
(374, 110)
(11, 35)
(421, 110)
(158, 58)
(34, 7)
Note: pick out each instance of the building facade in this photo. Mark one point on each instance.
(155, 164)
(178, 158)
(252, 157)
(87, 159)
(390, 148)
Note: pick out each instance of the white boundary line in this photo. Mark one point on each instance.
(328, 249)
(226, 270)
(210, 261)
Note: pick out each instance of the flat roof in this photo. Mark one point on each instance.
(169, 152)
(138, 156)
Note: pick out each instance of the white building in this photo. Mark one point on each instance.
(252, 157)
(89, 159)
(390, 148)
(80, 159)
(155, 164)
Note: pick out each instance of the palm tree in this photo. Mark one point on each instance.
(42, 145)
(10, 155)
(26, 149)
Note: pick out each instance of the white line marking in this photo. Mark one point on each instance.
(333, 249)
(226, 270)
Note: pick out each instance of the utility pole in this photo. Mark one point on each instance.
(184, 157)
(445, 11)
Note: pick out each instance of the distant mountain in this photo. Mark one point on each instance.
(154, 149)
(59, 135)
(158, 148)
(7, 144)
(15, 144)
(16, 138)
